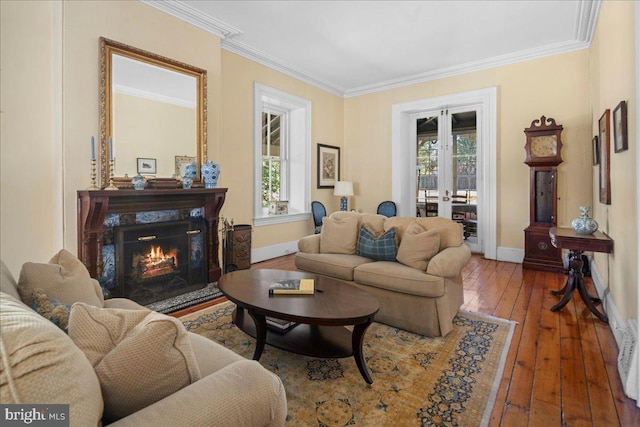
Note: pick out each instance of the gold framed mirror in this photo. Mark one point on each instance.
(153, 116)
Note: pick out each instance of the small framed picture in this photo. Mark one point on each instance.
(182, 162)
(146, 166)
(596, 151)
(328, 166)
(620, 141)
(604, 145)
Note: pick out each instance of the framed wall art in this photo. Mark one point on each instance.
(146, 165)
(603, 140)
(328, 166)
(620, 141)
(596, 151)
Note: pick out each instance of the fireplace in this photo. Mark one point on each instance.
(105, 216)
(158, 261)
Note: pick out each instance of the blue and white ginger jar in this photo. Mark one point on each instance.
(189, 174)
(584, 224)
(139, 182)
(210, 173)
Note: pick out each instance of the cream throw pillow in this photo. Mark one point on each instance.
(140, 356)
(339, 235)
(418, 246)
(40, 364)
(64, 278)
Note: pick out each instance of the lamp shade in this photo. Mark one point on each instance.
(343, 188)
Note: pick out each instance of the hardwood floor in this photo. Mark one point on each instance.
(561, 368)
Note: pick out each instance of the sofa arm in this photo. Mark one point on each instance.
(450, 261)
(241, 394)
(310, 244)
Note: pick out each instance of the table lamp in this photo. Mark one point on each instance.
(343, 189)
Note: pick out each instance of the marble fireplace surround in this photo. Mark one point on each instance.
(95, 206)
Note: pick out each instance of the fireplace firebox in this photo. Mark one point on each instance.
(161, 260)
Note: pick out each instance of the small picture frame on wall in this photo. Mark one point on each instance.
(603, 140)
(328, 166)
(596, 151)
(620, 141)
(146, 166)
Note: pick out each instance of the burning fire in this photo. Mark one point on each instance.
(156, 262)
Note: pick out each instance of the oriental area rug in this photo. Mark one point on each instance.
(417, 381)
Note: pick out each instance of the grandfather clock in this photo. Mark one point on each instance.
(543, 148)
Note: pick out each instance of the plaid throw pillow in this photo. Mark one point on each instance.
(381, 247)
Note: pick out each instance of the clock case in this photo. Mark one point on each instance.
(539, 253)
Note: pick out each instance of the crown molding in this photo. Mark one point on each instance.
(276, 64)
(188, 14)
(584, 27)
(469, 67)
(152, 96)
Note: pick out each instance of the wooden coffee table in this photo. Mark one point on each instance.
(322, 317)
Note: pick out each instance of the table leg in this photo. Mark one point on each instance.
(589, 300)
(568, 292)
(261, 332)
(357, 339)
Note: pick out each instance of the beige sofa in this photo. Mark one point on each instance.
(107, 373)
(421, 294)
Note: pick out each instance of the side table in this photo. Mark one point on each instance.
(567, 238)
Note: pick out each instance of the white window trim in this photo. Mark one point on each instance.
(300, 157)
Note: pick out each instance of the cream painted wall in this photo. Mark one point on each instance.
(556, 86)
(28, 198)
(612, 67)
(138, 25)
(160, 130)
(327, 124)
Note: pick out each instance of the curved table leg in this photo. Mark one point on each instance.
(589, 300)
(568, 292)
(357, 338)
(261, 333)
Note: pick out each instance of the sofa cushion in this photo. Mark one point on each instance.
(140, 357)
(40, 364)
(375, 221)
(334, 265)
(418, 246)
(377, 246)
(50, 308)
(339, 235)
(398, 277)
(64, 278)
(451, 232)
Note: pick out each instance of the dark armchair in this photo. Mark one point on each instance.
(318, 210)
(387, 208)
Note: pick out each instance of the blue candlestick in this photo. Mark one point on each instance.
(93, 149)
(110, 149)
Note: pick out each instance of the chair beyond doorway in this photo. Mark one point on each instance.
(318, 211)
(387, 208)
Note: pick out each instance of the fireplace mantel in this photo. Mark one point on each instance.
(93, 207)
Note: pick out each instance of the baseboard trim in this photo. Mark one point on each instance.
(625, 334)
(510, 254)
(274, 251)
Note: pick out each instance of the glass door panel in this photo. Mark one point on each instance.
(427, 154)
(446, 168)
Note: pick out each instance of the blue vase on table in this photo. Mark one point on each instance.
(584, 224)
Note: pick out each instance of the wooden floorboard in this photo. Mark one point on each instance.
(561, 368)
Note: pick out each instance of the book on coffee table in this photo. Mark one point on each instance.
(292, 287)
(279, 325)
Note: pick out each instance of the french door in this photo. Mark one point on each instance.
(446, 167)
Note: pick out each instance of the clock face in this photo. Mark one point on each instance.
(544, 146)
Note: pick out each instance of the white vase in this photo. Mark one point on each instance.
(584, 224)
